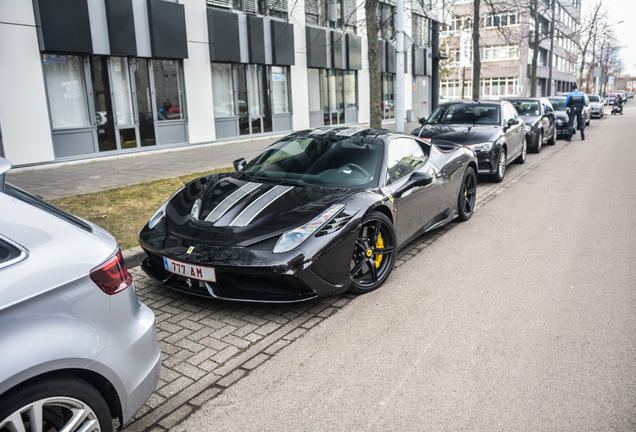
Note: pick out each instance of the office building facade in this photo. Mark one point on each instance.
(92, 78)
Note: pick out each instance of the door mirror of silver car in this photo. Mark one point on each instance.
(513, 122)
(239, 164)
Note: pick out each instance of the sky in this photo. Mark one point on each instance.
(623, 10)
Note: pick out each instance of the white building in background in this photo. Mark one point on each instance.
(505, 51)
(90, 78)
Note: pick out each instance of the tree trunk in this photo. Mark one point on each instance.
(476, 54)
(375, 64)
(534, 6)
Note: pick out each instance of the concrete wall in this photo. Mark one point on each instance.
(197, 72)
(26, 130)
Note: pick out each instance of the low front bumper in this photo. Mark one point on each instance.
(291, 277)
(486, 163)
(260, 285)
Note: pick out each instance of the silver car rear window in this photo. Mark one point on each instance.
(38, 202)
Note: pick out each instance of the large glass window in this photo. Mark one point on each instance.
(251, 93)
(123, 107)
(144, 102)
(168, 90)
(388, 95)
(223, 90)
(277, 8)
(338, 14)
(280, 90)
(123, 91)
(351, 85)
(331, 91)
(66, 89)
(313, 76)
(104, 120)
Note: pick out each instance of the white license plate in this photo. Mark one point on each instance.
(188, 270)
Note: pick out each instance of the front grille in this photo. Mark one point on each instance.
(234, 283)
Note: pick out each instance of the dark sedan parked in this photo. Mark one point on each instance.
(493, 129)
(558, 103)
(315, 214)
(540, 120)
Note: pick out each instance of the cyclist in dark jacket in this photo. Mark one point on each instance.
(575, 102)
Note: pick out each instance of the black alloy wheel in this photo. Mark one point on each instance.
(373, 254)
(500, 168)
(467, 195)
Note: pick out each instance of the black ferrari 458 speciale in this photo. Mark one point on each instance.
(317, 213)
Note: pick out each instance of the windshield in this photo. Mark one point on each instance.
(527, 108)
(465, 114)
(594, 98)
(558, 104)
(326, 161)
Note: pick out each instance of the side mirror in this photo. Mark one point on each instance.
(416, 179)
(239, 164)
(419, 178)
(513, 122)
(422, 120)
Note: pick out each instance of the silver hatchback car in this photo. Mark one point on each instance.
(78, 348)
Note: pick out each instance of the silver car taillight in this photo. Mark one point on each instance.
(112, 276)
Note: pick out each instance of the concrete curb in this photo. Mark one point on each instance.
(133, 256)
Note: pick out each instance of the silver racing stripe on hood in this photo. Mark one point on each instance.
(231, 201)
(261, 203)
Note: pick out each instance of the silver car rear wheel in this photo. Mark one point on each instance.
(52, 405)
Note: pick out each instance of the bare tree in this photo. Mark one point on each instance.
(371, 9)
(476, 52)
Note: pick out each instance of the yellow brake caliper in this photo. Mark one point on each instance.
(379, 244)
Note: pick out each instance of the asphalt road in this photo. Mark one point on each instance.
(523, 318)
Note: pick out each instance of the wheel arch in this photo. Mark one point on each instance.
(384, 210)
(97, 381)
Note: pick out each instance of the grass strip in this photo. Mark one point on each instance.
(124, 211)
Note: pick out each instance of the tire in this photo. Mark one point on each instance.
(373, 254)
(467, 195)
(552, 140)
(500, 168)
(56, 400)
(539, 144)
(524, 152)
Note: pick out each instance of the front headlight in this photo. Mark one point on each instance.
(481, 147)
(527, 128)
(161, 213)
(295, 237)
(559, 122)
